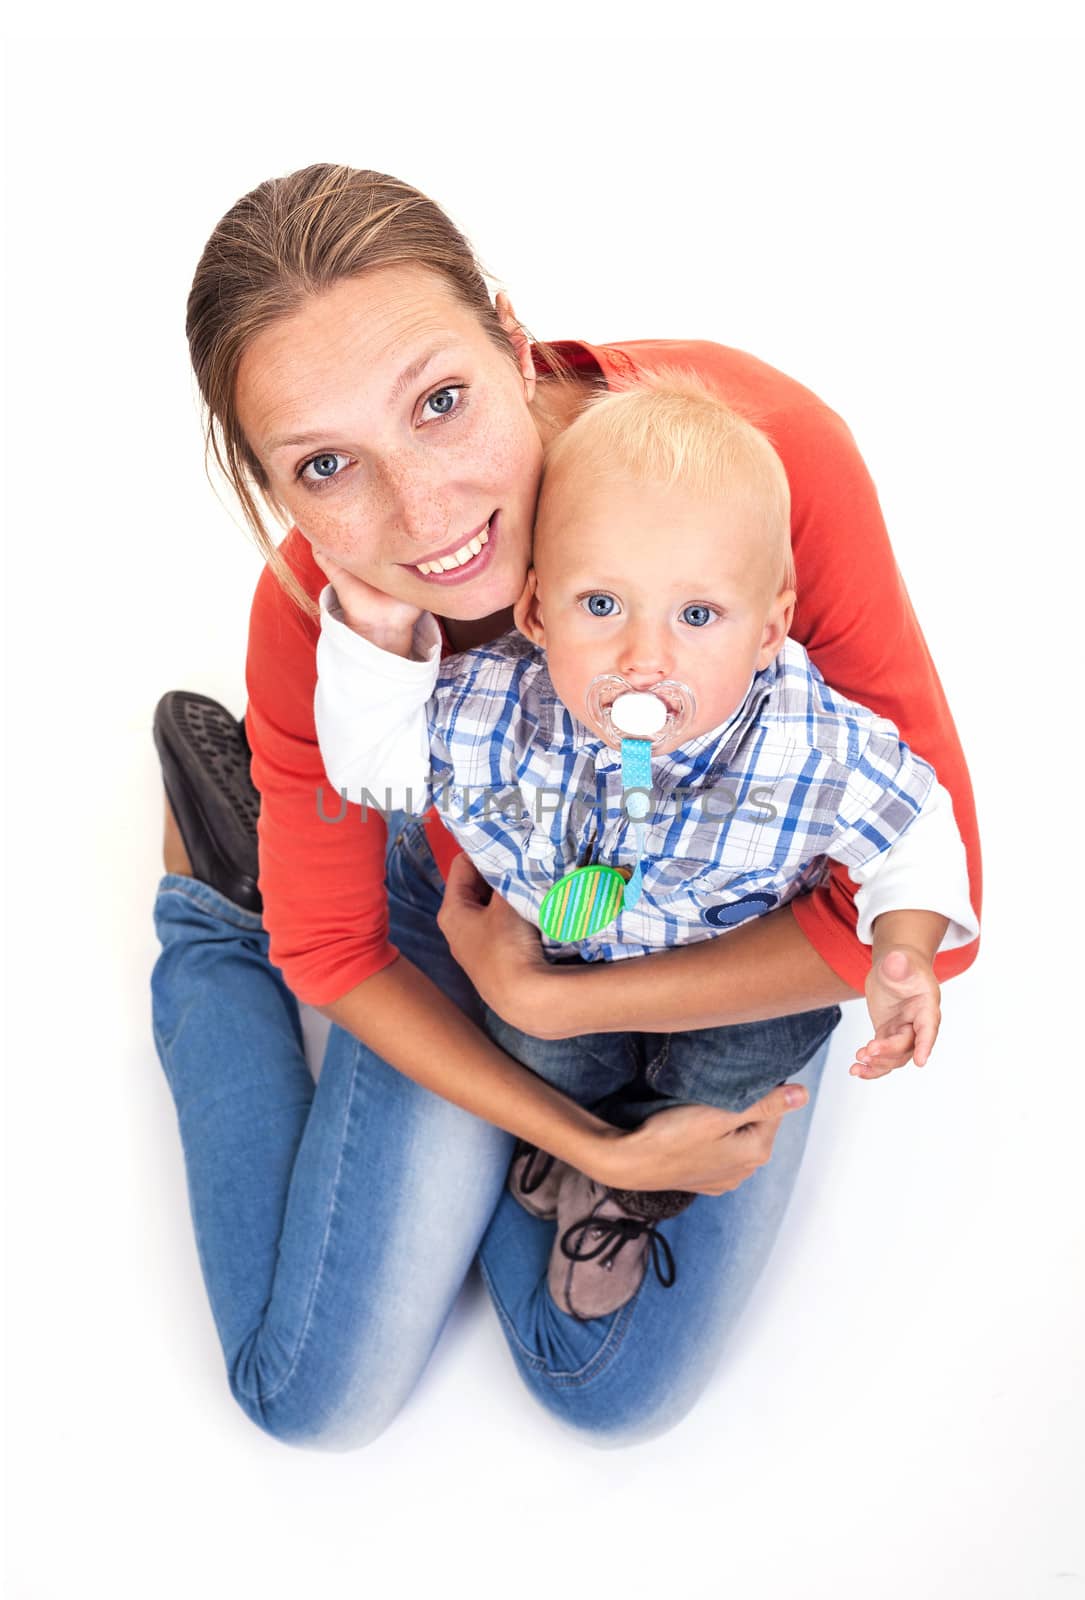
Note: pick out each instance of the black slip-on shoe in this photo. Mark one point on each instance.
(205, 767)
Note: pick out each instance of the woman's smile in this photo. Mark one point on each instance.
(458, 564)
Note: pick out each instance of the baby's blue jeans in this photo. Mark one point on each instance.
(335, 1223)
(630, 1076)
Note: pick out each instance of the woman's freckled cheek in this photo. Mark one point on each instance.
(499, 458)
(340, 536)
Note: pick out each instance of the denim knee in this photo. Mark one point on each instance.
(316, 1423)
(603, 1428)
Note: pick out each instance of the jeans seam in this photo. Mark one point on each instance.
(253, 921)
(318, 1275)
(414, 844)
(655, 1067)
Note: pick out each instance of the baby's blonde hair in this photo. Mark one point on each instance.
(670, 429)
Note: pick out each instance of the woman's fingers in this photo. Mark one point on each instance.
(759, 1124)
(363, 606)
(465, 885)
(774, 1105)
(463, 872)
(707, 1149)
(331, 569)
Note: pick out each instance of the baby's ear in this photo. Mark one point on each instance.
(527, 614)
(777, 627)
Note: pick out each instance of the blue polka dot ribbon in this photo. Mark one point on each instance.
(636, 777)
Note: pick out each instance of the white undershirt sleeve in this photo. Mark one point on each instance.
(371, 712)
(926, 869)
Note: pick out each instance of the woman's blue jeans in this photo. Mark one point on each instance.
(335, 1223)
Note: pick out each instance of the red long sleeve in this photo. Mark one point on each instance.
(322, 882)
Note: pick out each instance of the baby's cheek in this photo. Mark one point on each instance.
(569, 674)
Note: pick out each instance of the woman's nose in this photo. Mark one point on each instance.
(416, 506)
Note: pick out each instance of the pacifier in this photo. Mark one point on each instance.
(618, 711)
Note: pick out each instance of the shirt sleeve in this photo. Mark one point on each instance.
(855, 618)
(321, 862)
(371, 713)
(924, 869)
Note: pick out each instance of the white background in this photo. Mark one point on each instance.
(892, 220)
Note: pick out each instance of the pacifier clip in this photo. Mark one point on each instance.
(590, 898)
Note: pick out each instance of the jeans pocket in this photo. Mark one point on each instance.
(415, 846)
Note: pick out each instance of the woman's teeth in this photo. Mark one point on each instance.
(460, 557)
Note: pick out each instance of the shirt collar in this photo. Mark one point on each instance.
(715, 749)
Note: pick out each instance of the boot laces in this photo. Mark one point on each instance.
(535, 1168)
(612, 1235)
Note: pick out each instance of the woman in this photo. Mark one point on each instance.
(358, 378)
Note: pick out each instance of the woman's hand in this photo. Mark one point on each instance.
(903, 998)
(697, 1147)
(379, 617)
(500, 952)
(687, 1147)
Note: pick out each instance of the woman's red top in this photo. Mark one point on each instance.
(323, 882)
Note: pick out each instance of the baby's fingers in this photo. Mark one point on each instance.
(926, 1032)
(884, 1053)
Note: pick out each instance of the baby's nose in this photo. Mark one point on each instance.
(645, 657)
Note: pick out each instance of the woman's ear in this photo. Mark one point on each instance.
(527, 614)
(521, 344)
(777, 624)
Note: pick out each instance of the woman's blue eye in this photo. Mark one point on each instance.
(697, 616)
(600, 605)
(323, 465)
(444, 395)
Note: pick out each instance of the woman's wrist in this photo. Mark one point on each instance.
(613, 1157)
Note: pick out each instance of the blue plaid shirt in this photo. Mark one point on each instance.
(743, 818)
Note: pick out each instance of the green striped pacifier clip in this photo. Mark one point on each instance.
(590, 898)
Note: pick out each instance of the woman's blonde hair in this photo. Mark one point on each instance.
(670, 429)
(292, 238)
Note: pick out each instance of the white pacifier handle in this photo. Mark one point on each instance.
(638, 715)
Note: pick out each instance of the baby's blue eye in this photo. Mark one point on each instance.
(600, 605)
(697, 616)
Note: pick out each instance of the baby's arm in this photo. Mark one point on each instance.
(371, 710)
(912, 900)
(902, 993)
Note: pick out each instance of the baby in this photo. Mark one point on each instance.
(648, 761)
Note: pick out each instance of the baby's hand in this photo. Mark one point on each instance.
(386, 621)
(903, 998)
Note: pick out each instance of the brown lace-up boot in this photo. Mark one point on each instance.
(605, 1237)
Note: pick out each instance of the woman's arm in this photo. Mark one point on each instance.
(765, 968)
(404, 1018)
(855, 618)
(370, 708)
